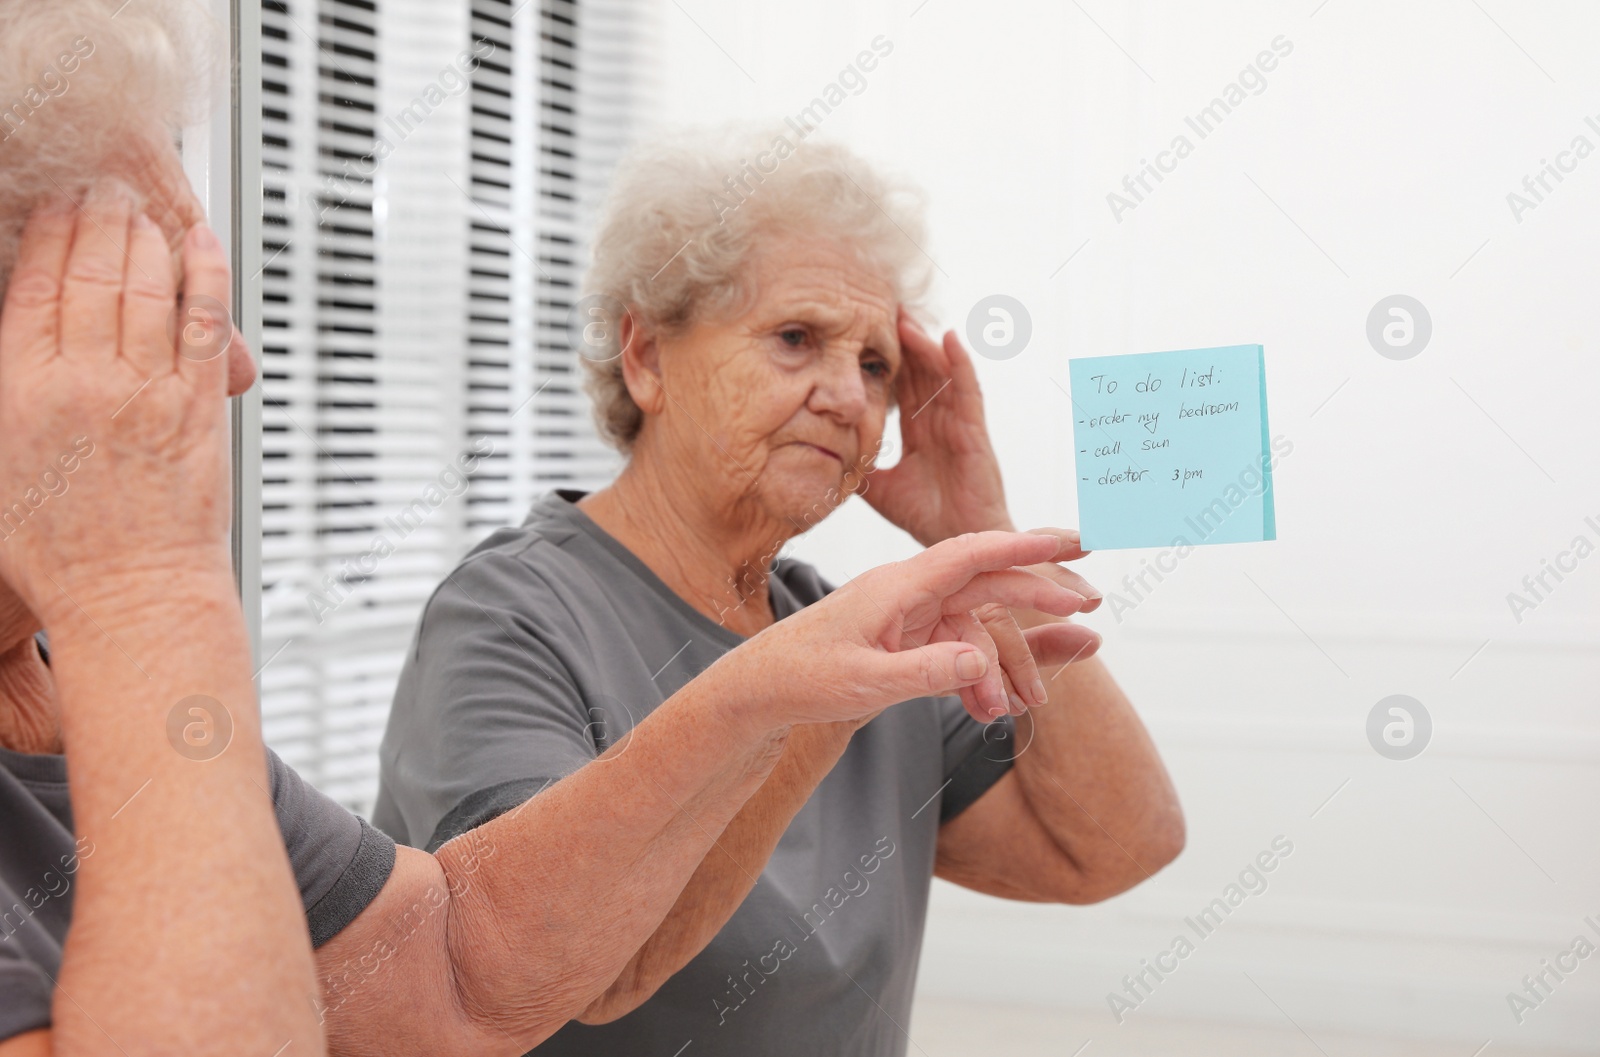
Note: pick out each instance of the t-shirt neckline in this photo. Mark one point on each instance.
(562, 503)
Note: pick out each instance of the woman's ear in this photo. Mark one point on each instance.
(641, 364)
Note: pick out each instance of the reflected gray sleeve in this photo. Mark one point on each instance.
(483, 806)
(488, 701)
(339, 862)
(975, 756)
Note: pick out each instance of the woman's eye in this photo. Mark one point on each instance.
(794, 337)
(876, 368)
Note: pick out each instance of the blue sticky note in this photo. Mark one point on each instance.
(1172, 448)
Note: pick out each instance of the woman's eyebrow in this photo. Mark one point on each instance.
(829, 317)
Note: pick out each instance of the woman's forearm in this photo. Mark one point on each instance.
(506, 933)
(187, 934)
(582, 875)
(729, 871)
(1094, 780)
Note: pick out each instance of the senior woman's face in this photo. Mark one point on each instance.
(796, 390)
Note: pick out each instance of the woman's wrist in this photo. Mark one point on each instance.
(144, 606)
(739, 711)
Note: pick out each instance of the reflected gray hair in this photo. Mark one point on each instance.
(81, 81)
(686, 214)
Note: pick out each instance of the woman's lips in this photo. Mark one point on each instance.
(826, 451)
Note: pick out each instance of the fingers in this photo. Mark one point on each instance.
(241, 366)
(1061, 643)
(31, 321)
(1070, 549)
(1024, 686)
(946, 567)
(148, 300)
(985, 699)
(1071, 543)
(923, 368)
(1015, 587)
(934, 670)
(920, 349)
(205, 328)
(91, 295)
(1071, 581)
(148, 164)
(960, 366)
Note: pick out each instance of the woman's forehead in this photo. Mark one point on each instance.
(829, 281)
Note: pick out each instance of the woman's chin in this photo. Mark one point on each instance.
(806, 498)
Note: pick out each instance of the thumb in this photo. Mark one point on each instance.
(933, 670)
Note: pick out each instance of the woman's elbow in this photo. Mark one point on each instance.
(1167, 838)
(626, 994)
(1139, 857)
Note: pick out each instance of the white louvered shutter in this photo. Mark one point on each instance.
(420, 263)
(542, 146)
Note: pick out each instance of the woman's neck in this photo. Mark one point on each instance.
(29, 722)
(715, 558)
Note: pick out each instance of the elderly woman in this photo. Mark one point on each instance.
(163, 877)
(747, 360)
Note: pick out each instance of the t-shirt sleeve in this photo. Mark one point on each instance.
(976, 756)
(339, 861)
(487, 714)
(24, 996)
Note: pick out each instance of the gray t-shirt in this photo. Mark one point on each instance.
(544, 646)
(339, 861)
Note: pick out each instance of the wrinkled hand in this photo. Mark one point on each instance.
(947, 480)
(1053, 642)
(113, 423)
(908, 630)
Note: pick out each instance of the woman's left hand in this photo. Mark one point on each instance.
(947, 480)
(1016, 638)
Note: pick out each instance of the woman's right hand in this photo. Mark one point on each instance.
(902, 631)
(113, 428)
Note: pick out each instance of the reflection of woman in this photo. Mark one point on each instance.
(749, 383)
(191, 930)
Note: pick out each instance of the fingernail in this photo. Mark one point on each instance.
(1039, 693)
(201, 237)
(1018, 704)
(996, 712)
(971, 665)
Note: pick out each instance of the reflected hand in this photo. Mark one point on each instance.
(947, 480)
(1053, 641)
(908, 630)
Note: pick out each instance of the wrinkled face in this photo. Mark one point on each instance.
(786, 402)
(150, 166)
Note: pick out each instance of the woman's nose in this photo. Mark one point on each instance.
(840, 391)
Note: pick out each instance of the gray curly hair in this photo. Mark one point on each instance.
(85, 86)
(686, 213)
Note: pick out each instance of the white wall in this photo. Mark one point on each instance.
(1419, 493)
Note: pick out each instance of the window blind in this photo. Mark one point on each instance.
(424, 229)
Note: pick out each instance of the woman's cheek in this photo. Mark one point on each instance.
(874, 446)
